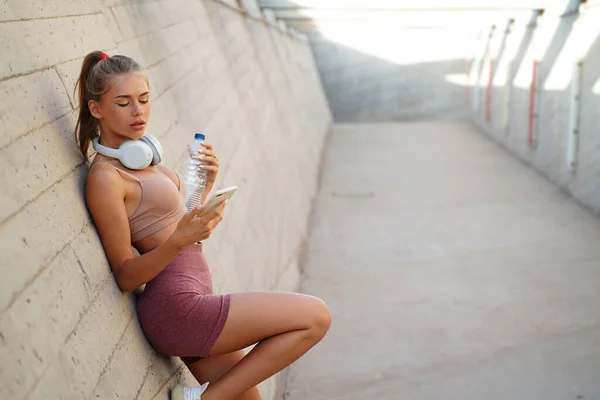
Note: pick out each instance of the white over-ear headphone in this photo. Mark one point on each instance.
(134, 154)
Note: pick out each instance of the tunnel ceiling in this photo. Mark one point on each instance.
(309, 14)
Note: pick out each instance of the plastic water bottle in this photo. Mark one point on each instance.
(195, 177)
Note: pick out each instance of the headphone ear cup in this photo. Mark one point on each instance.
(135, 154)
(157, 150)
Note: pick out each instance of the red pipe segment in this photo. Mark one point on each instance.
(532, 103)
(488, 93)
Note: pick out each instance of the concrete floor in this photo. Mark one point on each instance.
(452, 271)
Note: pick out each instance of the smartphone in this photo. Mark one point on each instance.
(216, 199)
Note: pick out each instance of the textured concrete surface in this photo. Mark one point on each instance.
(557, 42)
(452, 271)
(66, 331)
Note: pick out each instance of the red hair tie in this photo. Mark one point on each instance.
(103, 56)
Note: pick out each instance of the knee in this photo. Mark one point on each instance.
(321, 318)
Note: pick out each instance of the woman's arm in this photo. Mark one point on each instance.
(136, 271)
(105, 198)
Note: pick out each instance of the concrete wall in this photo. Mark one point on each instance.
(556, 42)
(384, 73)
(66, 331)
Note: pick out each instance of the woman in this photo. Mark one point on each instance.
(144, 208)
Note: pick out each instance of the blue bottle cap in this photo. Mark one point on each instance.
(199, 136)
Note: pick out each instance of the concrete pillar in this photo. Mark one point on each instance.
(270, 16)
(562, 7)
(574, 115)
(282, 25)
(231, 2)
(252, 8)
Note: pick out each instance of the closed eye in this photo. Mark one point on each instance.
(126, 104)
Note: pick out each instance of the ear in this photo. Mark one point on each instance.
(94, 109)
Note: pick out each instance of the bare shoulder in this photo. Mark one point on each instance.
(105, 199)
(103, 180)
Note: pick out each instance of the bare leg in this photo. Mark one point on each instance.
(213, 368)
(285, 326)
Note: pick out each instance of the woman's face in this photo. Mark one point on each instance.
(124, 109)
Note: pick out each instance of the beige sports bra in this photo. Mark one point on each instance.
(161, 205)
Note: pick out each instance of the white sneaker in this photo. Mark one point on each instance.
(181, 392)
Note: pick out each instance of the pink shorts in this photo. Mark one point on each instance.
(178, 312)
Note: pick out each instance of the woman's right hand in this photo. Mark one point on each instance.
(192, 229)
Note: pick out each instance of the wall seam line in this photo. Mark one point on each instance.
(28, 202)
(47, 18)
(65, 87)
(157, 30)
(118, 346)
(145, 378)
(15, 295)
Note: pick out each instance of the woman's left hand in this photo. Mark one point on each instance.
(208, 157)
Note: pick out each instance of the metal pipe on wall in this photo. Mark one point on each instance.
(469, 66)
(574, 110)
(506, 98)
(532, 103)
(488, 92)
